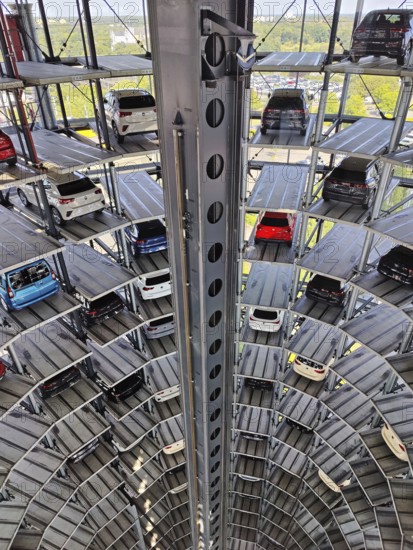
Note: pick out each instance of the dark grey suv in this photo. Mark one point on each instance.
(354, 180)
(384, 32)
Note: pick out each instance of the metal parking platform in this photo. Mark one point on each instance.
(284, 139)
(366, 138)
(267, 285)
(142, 197)
(122, 65)
(291, 62)
(369, 65)
(279, 187)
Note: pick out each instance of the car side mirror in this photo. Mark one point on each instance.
(105, 100)
(310, 97)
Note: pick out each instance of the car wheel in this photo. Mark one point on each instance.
(355, 58)
(12, 162)
(303, 131)
(57, 218)
(406, 57)
(326, 199)
(4, 304)
(22, 196)
(119, 138)
(263, 131)
(289, 244)
(367, 205)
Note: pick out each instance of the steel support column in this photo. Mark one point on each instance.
(201, 101)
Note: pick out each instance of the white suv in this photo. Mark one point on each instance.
(69, 195)
(130, 112)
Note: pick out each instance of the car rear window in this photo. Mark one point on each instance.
(348, 176)
(265, 314)
(136, 102)
(28, 275)
(274, 222)
(160, 322)
(385, 18)
(129, 382)
(285, 103)
(325, 282)
(151, 229)
(307, 362)
(159, 279)
(75, 187)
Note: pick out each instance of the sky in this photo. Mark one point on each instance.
(62, 8)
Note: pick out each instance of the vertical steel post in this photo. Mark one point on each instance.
(201, 101)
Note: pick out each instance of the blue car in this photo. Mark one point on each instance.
(147, 237)
(27, 285)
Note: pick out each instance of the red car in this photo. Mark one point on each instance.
(7, 151)
(2, 370)
(275, 227)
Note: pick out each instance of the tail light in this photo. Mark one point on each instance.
(150, 329)
(319, 371)
(269, 110)
(402, 447)
(395, 32)
(98, 191)
(10, 292)
(140, 241)
(66, 201)
(91, 312)
(53, 274)
(298, 111)
(125, 113)
(148, 288)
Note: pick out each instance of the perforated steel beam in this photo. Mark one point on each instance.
(200, 99)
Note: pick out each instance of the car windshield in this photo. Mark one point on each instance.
(159, 279)
(130, 382)
(136, 102)
(285, 103)
(162, 321)
(274, 222)
(265, 314)
(151, 229)
(75, 187)
(28, 275)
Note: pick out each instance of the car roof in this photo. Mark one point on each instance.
(288, 92)
(129, 92)
(398, 11)
(355, 164)
(279, 215)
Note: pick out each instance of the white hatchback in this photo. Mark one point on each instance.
(310, 369)
(159, 327)
(174, 447)
(155, 285)
(265, 319)
(168, 393)
(394, 443)
(130, 112)
(69, 195)
(330, 483)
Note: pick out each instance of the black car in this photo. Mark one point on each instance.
(397, 264)
(60, 382)
(387, 32)
(96, 311)
(298, 426)
(286, 108)
(253, 436)
(324, 289)
(259, 384)
(84, 451)
(174, 471)
(354, 180)
(124, 389)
